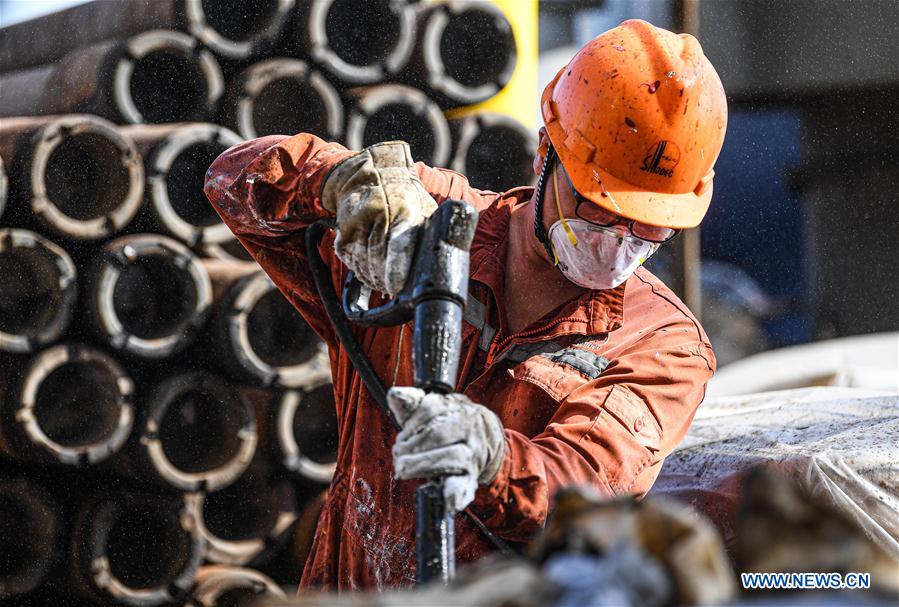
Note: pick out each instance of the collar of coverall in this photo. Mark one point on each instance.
(592, 313)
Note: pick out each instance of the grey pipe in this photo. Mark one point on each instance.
(237, 29)
(392, 111)
(495, 152)
(355, 42)
(155, 76)
(283, 97)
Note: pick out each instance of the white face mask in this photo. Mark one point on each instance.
(594, 257)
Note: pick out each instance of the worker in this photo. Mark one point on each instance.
(578, 366)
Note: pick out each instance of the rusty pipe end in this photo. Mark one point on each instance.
(164, 76)
(149, 295)
(359, 55)
(283, 97)
(468, 50)
(495, 151)
(73, 406)
(265, 338)
(247, 519)
(222, 585)
(4, 184)
(199, 434)
(176, 166)
(138, 549)
(84, 180)
(306, 431)
(38, 290)
(393, 111)
(30, 533)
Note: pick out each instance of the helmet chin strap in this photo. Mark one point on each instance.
(548, 163)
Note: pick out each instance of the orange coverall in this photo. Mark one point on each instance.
(597, 392)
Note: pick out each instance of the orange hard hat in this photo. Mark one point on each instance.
(637, 118)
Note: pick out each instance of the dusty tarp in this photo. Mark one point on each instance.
(840, 444)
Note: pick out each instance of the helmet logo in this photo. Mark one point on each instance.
(661, 159)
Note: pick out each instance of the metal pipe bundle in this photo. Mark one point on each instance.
(220, 585)
(38, 289)
(393, 111)
(176, 157)
(355, 42)
(282, 97)
(248, 518)
(195, 432)
(212, 22)
(147, 295)
(262, 338)
(135, 548)
(193, 465)
(72, 405)
(155, 76)
(30, 535)
(465, 52)
(494, 151)
(74, 175)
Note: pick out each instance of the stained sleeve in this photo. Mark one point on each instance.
(268, 190)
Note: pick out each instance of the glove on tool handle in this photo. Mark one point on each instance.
(434, 294)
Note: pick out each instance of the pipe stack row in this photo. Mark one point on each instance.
(349, 71)
(167, 421)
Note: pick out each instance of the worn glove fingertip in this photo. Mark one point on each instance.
(403, 400)
(458, 492)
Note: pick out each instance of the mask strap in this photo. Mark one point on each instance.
(539, 230)
(565, 225)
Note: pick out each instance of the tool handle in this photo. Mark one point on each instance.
(435, 535)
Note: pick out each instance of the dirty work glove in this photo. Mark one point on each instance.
(446, 435)
(379, 202)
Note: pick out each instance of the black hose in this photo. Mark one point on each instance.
(321, 275)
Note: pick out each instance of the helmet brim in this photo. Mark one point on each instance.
(666, 209)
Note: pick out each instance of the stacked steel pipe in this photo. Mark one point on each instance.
(167, 422)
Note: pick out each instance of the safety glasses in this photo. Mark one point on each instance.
(591, 212)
